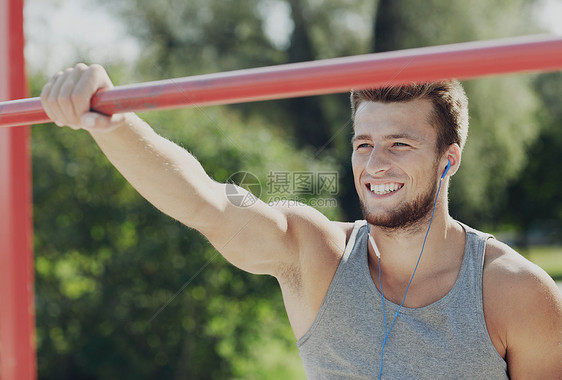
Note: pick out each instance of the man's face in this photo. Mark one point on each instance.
(395, 162)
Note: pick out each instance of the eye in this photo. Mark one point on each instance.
(362, 146)
(400, 144)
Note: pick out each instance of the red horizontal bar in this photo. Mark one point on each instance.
(462, 61)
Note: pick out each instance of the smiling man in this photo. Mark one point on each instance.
(406, 293)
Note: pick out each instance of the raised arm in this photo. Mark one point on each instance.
(258, 239)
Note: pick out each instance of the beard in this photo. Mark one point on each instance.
(407, 216)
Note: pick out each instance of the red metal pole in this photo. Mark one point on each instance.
(462, 61)
(17, 320)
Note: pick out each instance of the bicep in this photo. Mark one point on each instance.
(258, 237)
(534, 347)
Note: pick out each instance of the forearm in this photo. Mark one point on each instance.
(167, 175)
(161, 171)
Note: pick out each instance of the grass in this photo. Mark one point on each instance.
(548, 258)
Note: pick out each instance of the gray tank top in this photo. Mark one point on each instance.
(447, 339)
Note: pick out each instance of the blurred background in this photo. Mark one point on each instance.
(123, 291)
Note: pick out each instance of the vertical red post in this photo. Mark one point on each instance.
(17, 319)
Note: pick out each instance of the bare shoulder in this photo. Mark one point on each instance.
(308, 218)
(319, 240)
(305, 281)
(322, 241)
(523, 310)
(510, 272)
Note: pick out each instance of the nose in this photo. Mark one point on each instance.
(378, 162)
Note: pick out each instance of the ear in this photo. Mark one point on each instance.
(453, 156)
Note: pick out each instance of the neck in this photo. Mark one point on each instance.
(400, 248)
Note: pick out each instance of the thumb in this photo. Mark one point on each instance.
(93, 121)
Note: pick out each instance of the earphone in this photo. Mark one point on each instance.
(446, 169)
(377, 253)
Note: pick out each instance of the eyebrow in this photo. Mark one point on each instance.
(360, 137)
(386, 137)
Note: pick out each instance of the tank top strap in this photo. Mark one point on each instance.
(343, 273)
(473, 260)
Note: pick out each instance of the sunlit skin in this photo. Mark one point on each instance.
(394, 145)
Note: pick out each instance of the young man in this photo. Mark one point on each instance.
(474, 309)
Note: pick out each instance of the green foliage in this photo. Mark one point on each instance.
(502, 109)
(502, 127)
(405, 24)
(548, 258)
(534, 201)
(107, 262)
(125, 292)
(198, 36)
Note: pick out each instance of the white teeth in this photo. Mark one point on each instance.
(385, 189)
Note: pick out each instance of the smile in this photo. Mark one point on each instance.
(385, 188)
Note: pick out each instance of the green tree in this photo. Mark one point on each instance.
(203, 36)
(534, 202)
(198, 36)
(502, 109)
(107, 262)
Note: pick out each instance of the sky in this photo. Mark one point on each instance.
(57, 29)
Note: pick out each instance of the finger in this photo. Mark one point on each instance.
(67, 96)
(101, 76)
(72, 104)
(58, 106)
(96, 122)
(50, 107)
(117, 120)
(93, 79)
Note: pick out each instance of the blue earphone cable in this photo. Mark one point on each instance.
(387, 333)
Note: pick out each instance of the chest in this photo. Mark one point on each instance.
(446, 339)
